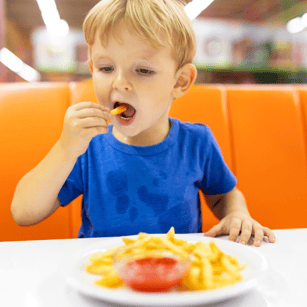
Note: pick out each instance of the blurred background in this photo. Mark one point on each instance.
(238, 41)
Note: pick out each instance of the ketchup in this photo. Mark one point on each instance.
(153, 274)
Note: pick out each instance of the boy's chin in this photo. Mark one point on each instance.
(124, 131)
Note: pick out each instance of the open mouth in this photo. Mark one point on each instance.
(127, 116)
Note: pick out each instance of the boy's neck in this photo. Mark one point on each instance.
(149, 137)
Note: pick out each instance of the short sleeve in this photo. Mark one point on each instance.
(73, 185)
(218, 179)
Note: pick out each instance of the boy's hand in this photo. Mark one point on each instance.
(240, 222)
(82, 122)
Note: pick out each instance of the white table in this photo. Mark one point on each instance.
(30, 276)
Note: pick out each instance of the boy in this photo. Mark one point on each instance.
(143, 171)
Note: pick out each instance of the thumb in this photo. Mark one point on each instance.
(214, 231)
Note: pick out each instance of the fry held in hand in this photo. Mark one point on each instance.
(118, 110)
(209, 269)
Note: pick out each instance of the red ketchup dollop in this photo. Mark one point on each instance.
(153, 274)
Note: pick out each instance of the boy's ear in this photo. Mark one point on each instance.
(185, 77)
(90, 64)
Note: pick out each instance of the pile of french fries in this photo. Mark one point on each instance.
(210, 267)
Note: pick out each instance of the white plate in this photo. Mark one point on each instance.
(83, 281)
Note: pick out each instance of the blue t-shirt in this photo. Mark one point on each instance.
(128, 189)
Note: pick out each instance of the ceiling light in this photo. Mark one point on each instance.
(51, 17)
(11, 61)
(194, 8)
(29, 74)
(58, 28)
(304, 20)
(295, 25)
(46, 5)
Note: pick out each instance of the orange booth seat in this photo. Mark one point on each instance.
(269, 153)
(31, 121)
(206, 104)
(79, 91)
(261, 131)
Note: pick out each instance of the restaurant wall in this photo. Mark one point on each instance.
(18, 41)
(236, 52)
(3, 68)
(60, 58)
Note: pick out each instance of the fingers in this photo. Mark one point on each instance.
(241, 225)
(88, 115)
(270, 234)
(91, 122)
(235, 228)
(82, 122)
(258, 234)
(214, 231)
(89, 109)
(92, 112)
(246, 231)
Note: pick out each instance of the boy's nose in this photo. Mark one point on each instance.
(121, 83)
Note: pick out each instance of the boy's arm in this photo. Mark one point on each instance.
(231, 209)
(36, 195)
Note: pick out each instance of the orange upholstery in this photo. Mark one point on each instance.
(79, 91)
(82, 91)
(301, 92)
(206, 104)
(31, 121)
(269, 153)
(262, 132)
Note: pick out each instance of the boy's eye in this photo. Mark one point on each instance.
(106, 69)
(143, 71)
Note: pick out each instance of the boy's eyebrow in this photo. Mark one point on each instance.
(147, 57)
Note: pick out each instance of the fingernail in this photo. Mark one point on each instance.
(258, 242)
(243, 242)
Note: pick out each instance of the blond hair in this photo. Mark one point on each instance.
(148, 19)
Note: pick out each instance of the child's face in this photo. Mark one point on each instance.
(141, 76)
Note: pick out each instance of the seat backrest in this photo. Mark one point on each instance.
(301, 91)
(82, 91)
(269, 156)
(31, 121)
(206, 104)
(79, 92)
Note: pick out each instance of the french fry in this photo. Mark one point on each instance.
(111, 280)
(101, 269)
(178, 250)
(192, 281)
(143, 235)
(100, 258)
(128, 241)
(171, 234)
(206, 274)
(118, 110)
(110, 252)
(210, 268)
